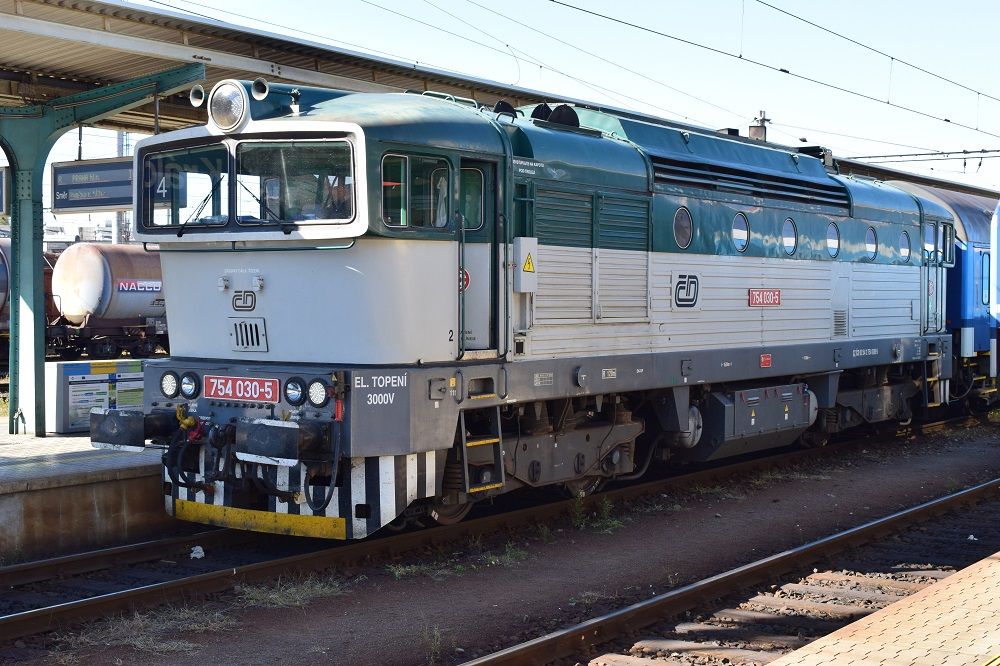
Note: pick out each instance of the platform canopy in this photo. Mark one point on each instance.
(54, 48)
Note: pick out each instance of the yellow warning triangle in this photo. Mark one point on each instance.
(753, 413)
(529, 265)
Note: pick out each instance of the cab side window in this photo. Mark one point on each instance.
(415, 191)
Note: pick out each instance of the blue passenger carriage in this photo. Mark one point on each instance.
(389, 307)
(971, 294)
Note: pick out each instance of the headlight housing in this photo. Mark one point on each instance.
(190, 386)
(169, 385)
(295, 391)
(317, 393)
(228, 105)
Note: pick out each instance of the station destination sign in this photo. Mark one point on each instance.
(87, 186)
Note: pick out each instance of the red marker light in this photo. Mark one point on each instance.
(765, 360)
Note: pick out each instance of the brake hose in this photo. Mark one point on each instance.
(328, 495)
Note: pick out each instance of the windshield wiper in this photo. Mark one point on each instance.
(269, 214)
(200, 207)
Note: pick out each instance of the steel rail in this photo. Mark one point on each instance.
(44, 619)
(106, 558)
(579, 638)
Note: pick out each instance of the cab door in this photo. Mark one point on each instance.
(931, 274)
(478, 277)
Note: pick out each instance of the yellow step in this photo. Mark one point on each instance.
(481, 442)
(485, 487)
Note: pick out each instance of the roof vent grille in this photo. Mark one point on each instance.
(684, 173)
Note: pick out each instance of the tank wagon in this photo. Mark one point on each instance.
(5, 264)
(391, 306)
(100, 299)
(109, 300)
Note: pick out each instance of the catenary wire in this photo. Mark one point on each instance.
(741, 116)
(961, 153)
(892, 58)
(773, 68)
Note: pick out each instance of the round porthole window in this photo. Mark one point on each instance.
(683, 228)
(789, 236)
(741, 232)
(833, 240)
(904, 246)
(871, 244)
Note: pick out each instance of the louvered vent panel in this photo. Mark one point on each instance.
(668, 171)
(248, 334)
(839, 323)
(564, 218)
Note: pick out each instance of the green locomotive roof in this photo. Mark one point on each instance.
(611, 151)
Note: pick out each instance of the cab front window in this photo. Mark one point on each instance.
(187, 187)
(294, 182)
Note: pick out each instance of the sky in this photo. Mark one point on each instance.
(713, 63)
(625, 59)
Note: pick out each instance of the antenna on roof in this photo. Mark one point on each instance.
(758, 131)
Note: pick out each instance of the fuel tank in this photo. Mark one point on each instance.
(108, 282)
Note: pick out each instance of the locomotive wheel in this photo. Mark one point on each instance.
(582, 487)
(814, 439)
(449, 514)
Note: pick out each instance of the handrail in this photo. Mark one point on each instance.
(461, 285)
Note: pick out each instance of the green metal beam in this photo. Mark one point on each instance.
(27, 134)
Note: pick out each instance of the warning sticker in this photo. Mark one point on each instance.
(529, 265)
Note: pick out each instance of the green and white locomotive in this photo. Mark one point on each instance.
(387, 307)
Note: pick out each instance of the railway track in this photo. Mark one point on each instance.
(729, 619)
(40, 596)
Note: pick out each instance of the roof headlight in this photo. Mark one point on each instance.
(168, 384)
(190, 387)
(317, 393)
(295, 391)
(228, 105)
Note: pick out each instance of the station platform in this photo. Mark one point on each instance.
(58, 494)
(955, 622)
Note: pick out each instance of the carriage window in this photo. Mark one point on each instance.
(472, 198)
(741, 232)
(986, 278)
(871, 244)
(789, 236)
(683, 228)
(189, 186)
(904, 246)
(415, 191)
(930, 232)
(294, 182)
(947, 246)
(833, 240)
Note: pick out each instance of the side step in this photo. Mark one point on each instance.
(482, 472)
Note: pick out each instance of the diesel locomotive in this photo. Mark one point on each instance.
(389, 307)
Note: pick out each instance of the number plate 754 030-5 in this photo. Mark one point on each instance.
(250, 389)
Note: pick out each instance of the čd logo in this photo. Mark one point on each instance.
(244, 301)
(686, 291)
